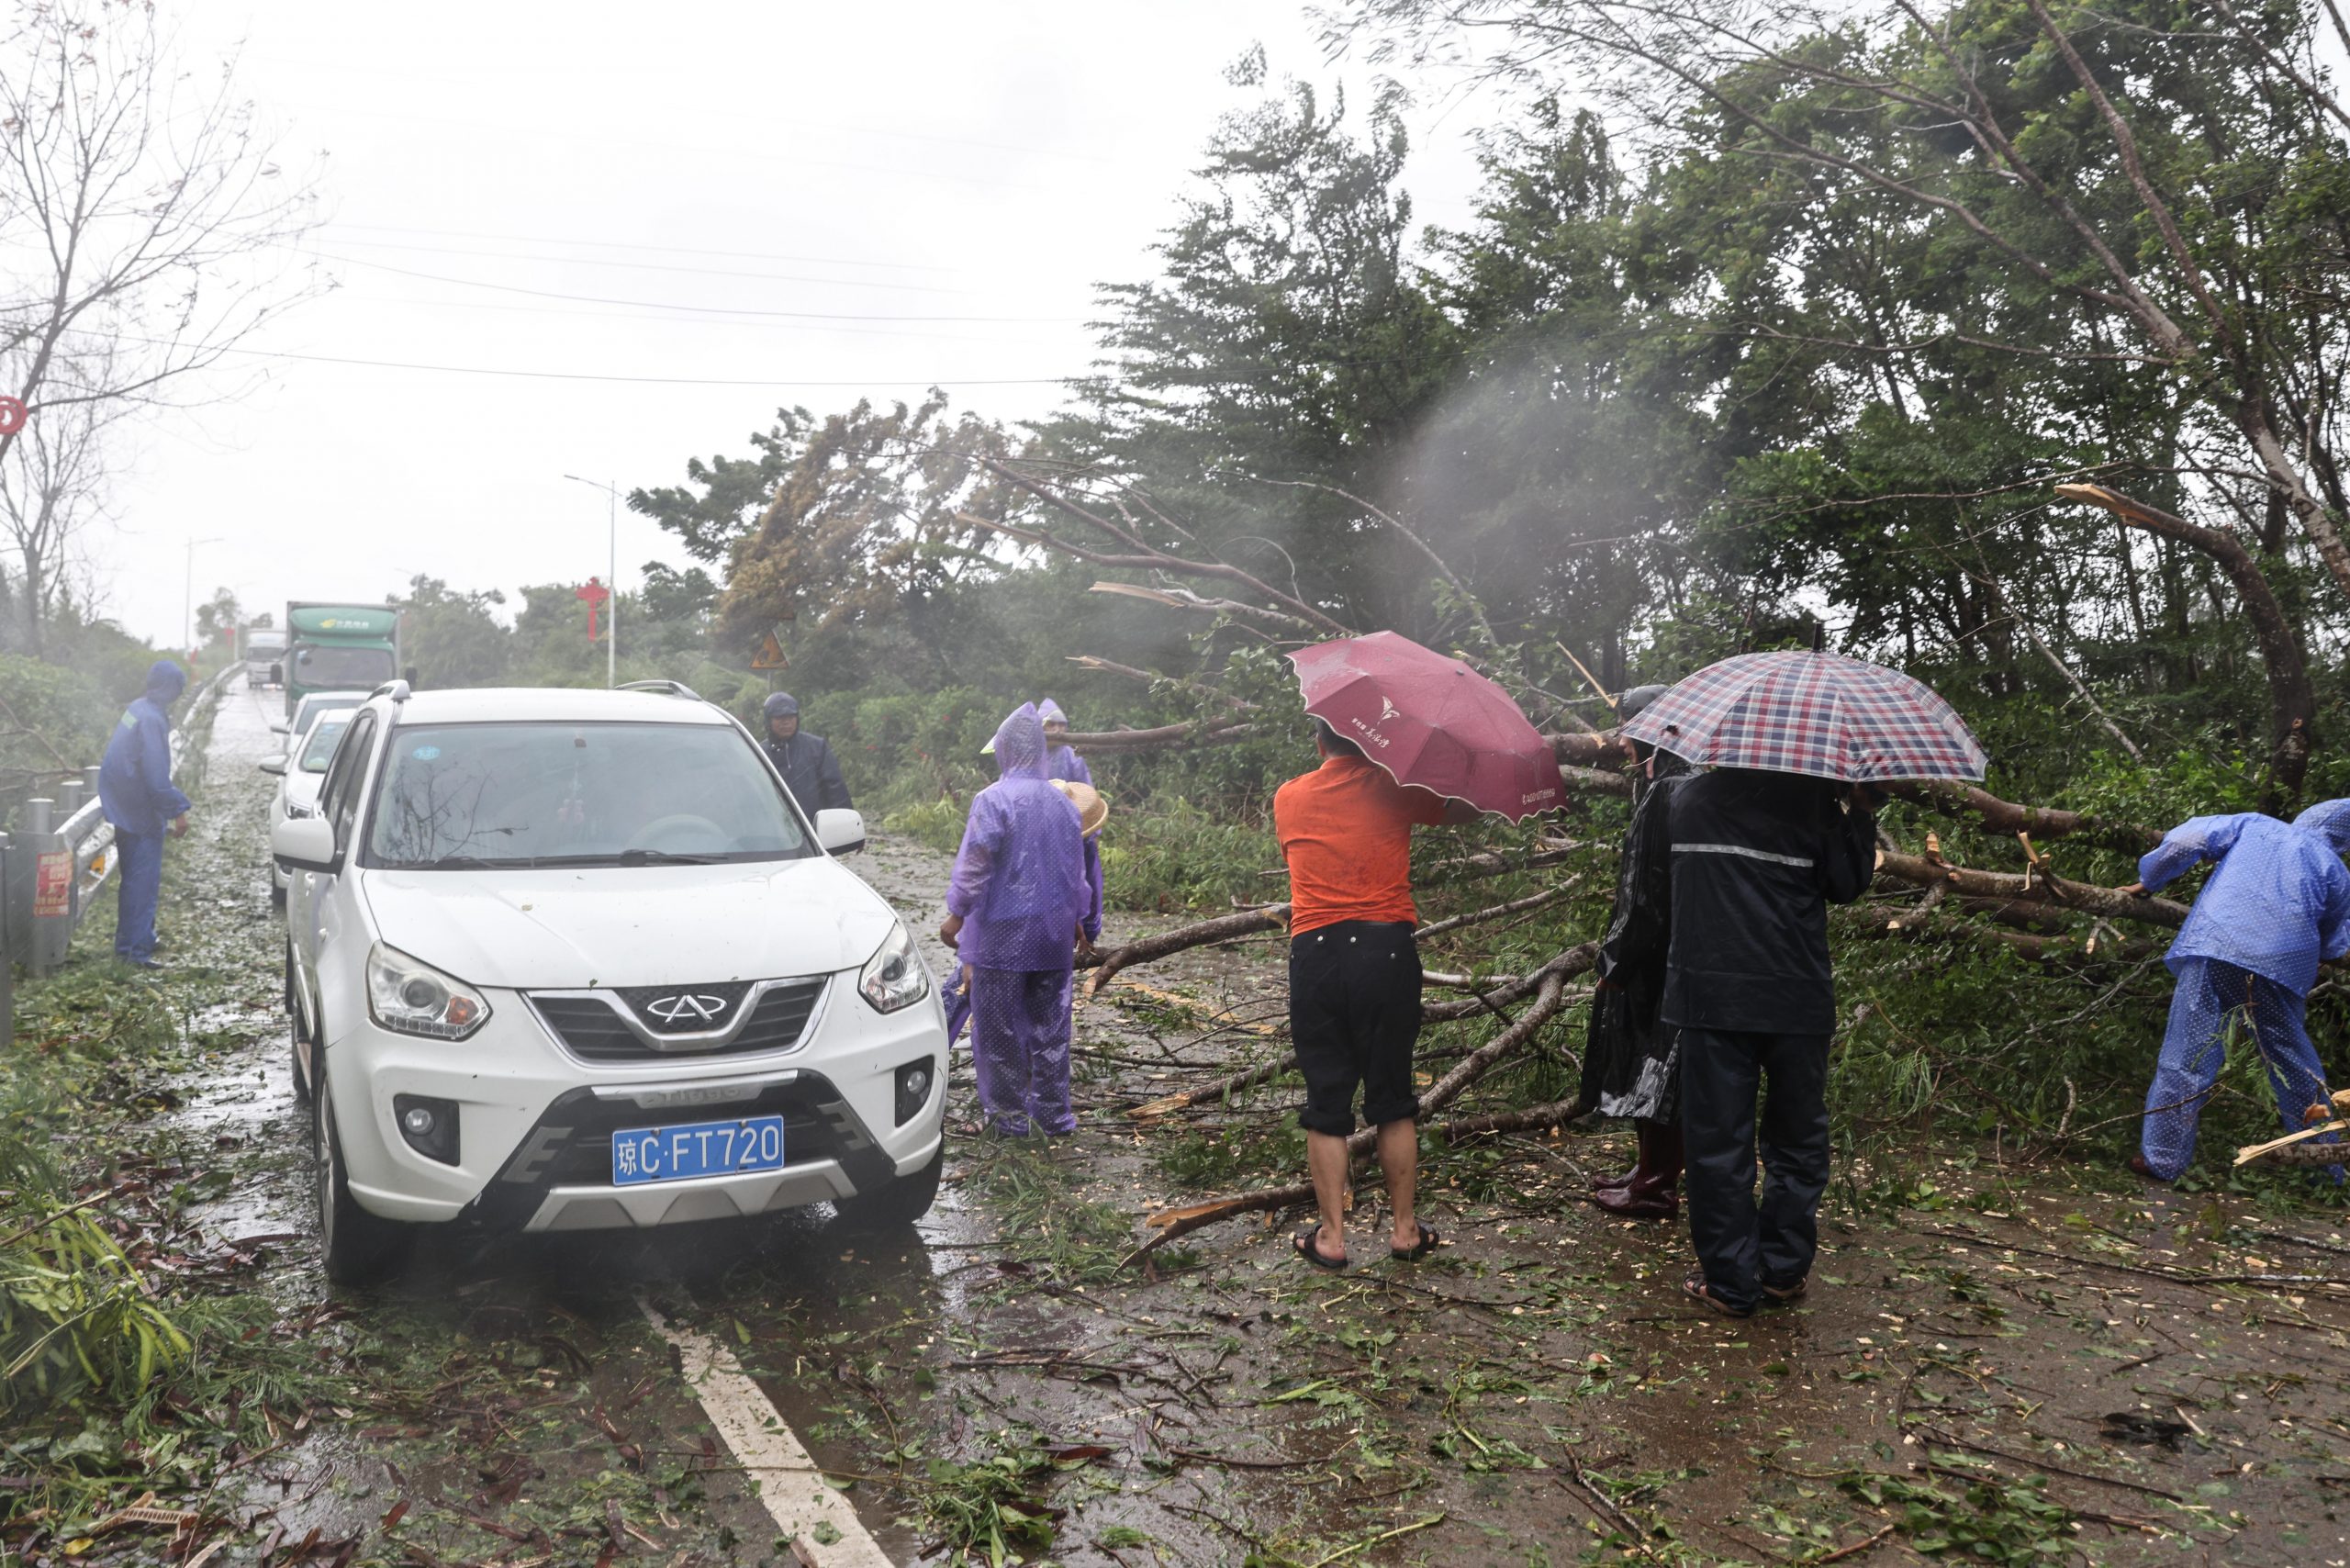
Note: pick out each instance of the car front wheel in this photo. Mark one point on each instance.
(361, 1249)
(899, 1202)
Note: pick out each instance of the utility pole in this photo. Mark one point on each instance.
(188, 597)
(612, 581)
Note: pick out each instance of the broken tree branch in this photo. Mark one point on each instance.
(1178, 1222)
(2034, 887)
(2292, 701)
(1164, 737)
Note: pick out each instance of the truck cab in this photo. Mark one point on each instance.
(338, 647)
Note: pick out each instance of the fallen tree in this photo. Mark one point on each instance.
(1173, 1223)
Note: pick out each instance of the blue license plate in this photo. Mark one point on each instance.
(697, 1148)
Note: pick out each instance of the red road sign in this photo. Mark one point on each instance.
(53, 884)
(12, 415)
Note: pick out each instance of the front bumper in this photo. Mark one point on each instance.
(535, 1122)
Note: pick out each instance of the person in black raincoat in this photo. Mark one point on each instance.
(1631, 1062)
(810, 770)
(1757, 858)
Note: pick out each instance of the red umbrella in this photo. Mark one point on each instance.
(1432, 722)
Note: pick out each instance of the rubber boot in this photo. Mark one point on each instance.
(1654, 1190)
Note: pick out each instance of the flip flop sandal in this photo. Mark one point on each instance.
(1427, 1244)
(1696, 1290)
(1302, 1243)
(1786, 1295)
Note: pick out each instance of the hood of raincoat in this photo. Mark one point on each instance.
(1019, 744)
(2329, 820)
(1629, 704)
(165, 681)
(1627, 708)
(1049, 711)
(780, 705)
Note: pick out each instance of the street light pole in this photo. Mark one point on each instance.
(612, 580)
(188, 596)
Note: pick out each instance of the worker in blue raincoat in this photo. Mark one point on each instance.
(136, 791)
(1062, 760)
(2277, 905)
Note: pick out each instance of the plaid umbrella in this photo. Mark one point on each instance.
(1818, 713)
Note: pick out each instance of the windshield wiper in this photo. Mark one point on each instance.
(664, 858)
(462, 863)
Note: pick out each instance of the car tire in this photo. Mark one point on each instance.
(297, 1036)
(276, 896)
(361, 1249)
(899, 1202)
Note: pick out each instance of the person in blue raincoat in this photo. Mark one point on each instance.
(1062, 760)
(136, 791)
(2277, 905)
(1016, 906)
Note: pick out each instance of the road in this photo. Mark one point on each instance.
(996, 1375)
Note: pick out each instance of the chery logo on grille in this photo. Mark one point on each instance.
(685, 1008)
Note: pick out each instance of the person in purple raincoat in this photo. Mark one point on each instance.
(1015, 910)
(1062, 760)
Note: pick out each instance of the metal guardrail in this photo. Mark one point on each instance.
(53, 867)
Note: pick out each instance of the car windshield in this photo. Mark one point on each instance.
(318, 664)
(458, 797)
(308, 707)
(323, 734)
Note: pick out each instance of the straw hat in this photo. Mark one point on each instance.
(1092, 811)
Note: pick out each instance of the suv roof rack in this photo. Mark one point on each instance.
(394, 689)
(667, 687)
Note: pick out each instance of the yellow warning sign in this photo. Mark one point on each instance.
(770, 655)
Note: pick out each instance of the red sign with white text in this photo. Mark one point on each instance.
(53, 885)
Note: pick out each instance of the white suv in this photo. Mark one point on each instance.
(562, 960)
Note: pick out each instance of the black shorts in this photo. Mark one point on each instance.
(1354, 1016)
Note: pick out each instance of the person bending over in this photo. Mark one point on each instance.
(2278, 904)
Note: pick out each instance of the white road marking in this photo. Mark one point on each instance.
(781, 1472)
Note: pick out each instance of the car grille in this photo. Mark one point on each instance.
(594, 1031)
(684, 1008)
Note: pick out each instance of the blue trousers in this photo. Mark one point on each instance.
(138, 884)
(2213, 999)
(1020, 1036)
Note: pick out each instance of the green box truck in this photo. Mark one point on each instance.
(338, 647)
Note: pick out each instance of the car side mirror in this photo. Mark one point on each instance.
(841, 830)
(274, 765)
(305, 844)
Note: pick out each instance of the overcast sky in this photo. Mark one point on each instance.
(744, 206)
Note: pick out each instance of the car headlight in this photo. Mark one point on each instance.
(410, 998)
(894, 977)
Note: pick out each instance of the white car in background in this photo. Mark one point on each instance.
(573, 959)
(300, 770)
(308, 708)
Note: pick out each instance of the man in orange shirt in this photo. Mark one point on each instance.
(1354, 978)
